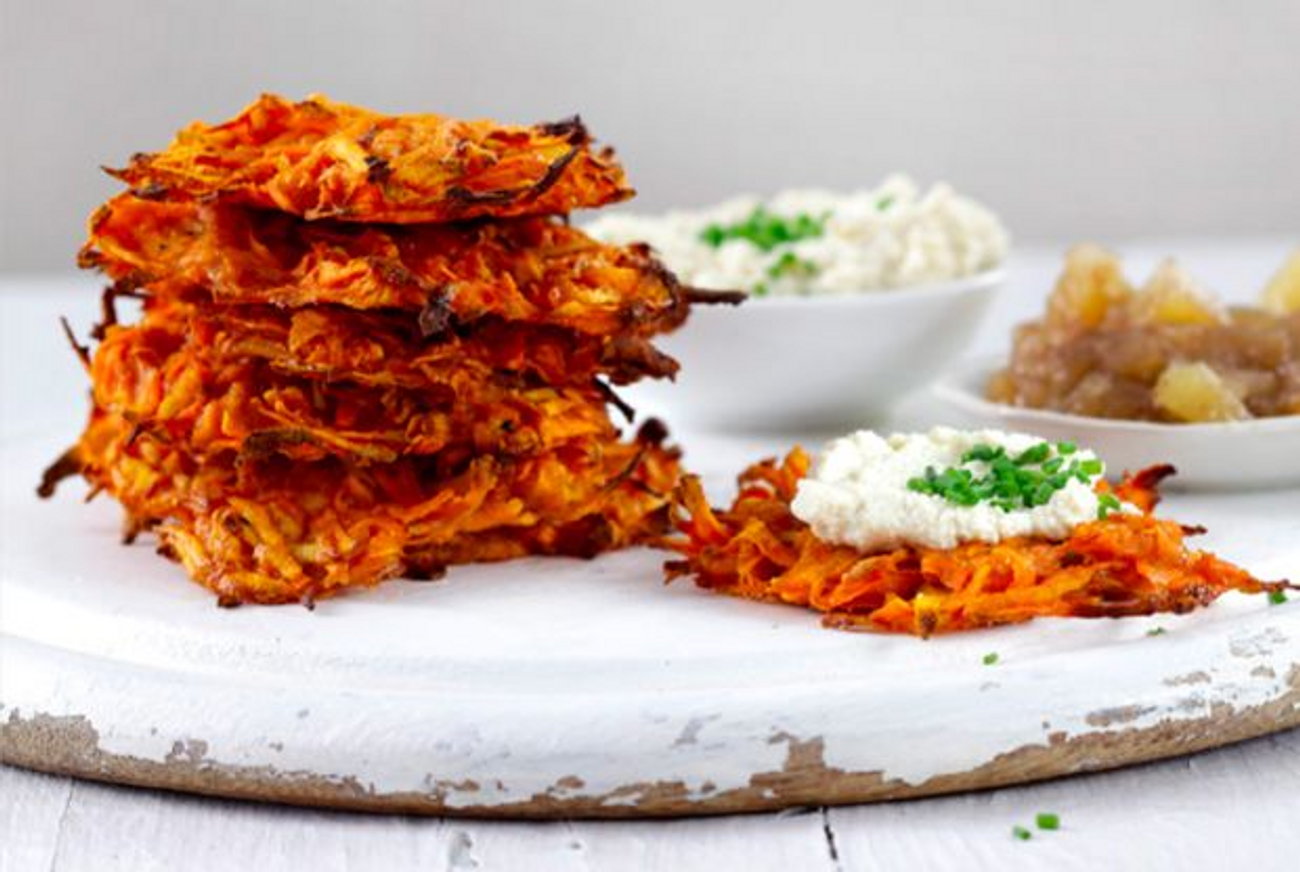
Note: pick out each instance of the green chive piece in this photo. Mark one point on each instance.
(1046, 820)
(1107, 503)
(1276, 597)
(1066, 448)
(760, 289)
(990, 658)
(1156, 631)
(1019, 832)
(1036, 454)
(1043, 493)
(984, 452)
(884, 203)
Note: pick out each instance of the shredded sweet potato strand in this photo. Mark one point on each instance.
(1127, 564)
(320, 159)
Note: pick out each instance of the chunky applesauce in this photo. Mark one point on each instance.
(1167, 351)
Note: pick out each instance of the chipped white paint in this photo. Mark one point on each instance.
(566, 678)
(1234, 808)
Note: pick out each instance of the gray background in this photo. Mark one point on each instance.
(1104, 119)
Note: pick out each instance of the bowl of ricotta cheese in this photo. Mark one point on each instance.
(854, 300)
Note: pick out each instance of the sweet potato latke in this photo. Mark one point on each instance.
(1127, 564)
(310, 405)
(332, 343)
(320, 159)
(273, 530)
(166, 376)
(534, 270)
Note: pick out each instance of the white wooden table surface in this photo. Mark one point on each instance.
(1234, 808)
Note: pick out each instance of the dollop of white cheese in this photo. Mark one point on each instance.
(857, 493)
(892, 236)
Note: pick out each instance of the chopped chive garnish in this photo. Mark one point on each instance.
(1047, 821)
(990, 658)
(1029, 479)
(1019, 832)
(764, 230)
(760, 289)
(1276, 597)
(1156, 631)
(884, 203)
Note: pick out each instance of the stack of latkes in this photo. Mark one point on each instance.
(370, 347)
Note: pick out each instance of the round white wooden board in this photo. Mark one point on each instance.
(551, 687)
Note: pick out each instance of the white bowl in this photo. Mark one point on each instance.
(800, 363)
(1261, 453)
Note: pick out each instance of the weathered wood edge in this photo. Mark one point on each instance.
(70, 746)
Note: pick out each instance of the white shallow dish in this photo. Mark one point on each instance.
(561, 687)
(829, 362)
(1263, 453)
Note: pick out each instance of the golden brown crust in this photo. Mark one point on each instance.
(320, 159)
